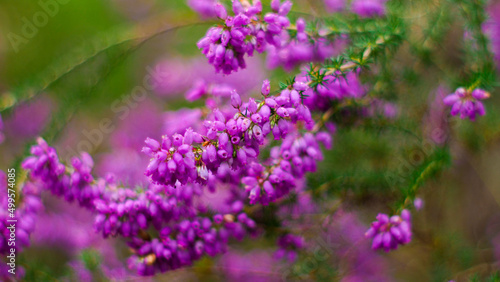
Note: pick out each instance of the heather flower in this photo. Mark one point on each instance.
(467, 103)
(226, 45)
(194, 156)
(389, 232)
(171, 77)
(418, 203)
(183, 243)
(25, 214)
(296, 156)
(78, 185)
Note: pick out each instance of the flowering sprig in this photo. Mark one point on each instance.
(75, 183)
(467, 103)
(235, 141)
(186, 231)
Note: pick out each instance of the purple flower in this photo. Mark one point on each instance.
(2, 136)
(491, 28)
(389, 232)
(220, 11)
(206, 8)
(335, 88)
(345, 236)
(235, 100)
(436, 122)
(266, 88)
(256, 265)
(28, 119)
(173, 77)
(418, 203)
(467, 103)
(382, 108)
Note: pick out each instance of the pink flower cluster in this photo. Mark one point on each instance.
(226, 45)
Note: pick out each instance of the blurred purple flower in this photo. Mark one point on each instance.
(389, 232)
(27, 120)
(140, 122)
(368, 8)
(345, 235)
(124, 164)
(435, 122)
(203, 7)
(257, 265)
(173, 77)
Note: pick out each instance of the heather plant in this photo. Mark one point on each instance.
(253, 139)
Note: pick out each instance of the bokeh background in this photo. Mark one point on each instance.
(82, 65)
